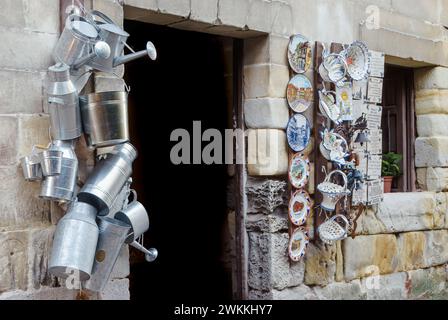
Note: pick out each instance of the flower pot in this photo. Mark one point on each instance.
(388, 184)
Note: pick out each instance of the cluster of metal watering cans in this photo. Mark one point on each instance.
(88, 239)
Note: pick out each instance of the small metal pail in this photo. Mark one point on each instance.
(111, 239)
(32, 170)
(105, 118)
(136, 216)
(75, 242)
(51, 162)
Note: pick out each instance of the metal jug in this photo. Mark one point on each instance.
(111, 239)
(105, 118)
(63, 104)
(116, 38)
(75, 242)
(332, 192)
(62, 187)
(51, 162)
(108, 178)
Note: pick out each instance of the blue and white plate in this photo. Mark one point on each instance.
(298, 133)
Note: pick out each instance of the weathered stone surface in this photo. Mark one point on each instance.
(117, 289)
(363, 252)
(12, 97)
(267, 152)
(436, 249)
(431, 101)
(266, 113)
(260, 295)
(403, 212)
(431, 78)
(39, 248)
(121, 268)
(431, 152)
(320, 264)
(269, 264)
(428, 284)
(233, 12)
(178, 8)
(301, 292)
(411, 249)
(8, 140)
(341, 291)
(265, 80)
(267, 223)
(45, 293)
(264, 196)
(432, 125)
(32, 130)
(13, 260)
(204, 10)
(433, 179)
(388, 287)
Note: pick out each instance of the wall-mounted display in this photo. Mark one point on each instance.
(374, 114)
(377, 61)
(344, 100)
(357, 59)
(328, 106)
(297, 244)
(375, 90)
(299, 208)
(299, 93)
(334, 68)
(299, 171)
(298, 132)
(299, 53)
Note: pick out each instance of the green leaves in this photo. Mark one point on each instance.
(391, 165)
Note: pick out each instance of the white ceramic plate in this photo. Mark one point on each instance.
(298, 243)
(357, 60)
(299, 208)
(299, 171)
(299, 93)
(299, 53)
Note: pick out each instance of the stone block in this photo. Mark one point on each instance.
(113, 9)
(283, 18)
(26, 50)
(104, 84)
(260, 295)
(45, 293)
(267, 223)
(431, 101)
(116, 289)
(433, 179)
(430, 125)
(341, 291)
(33, 130)
(267, 152)
(12, 96)
(265, 196)
(320, 264)
(260, 16)
(233, 12)
(364, 253)
(425, 11)
(411, 249)
(204, 10)
(266, 113)
(301, 292)
(266, 49)
(431, 78)
(177, 8)
(428, 284)
(436, 250)
(431, 152)
(13, 260)
(121, 268)
(8, 140)
(265, 80)
(39, 248)
(269, 264)
(388, 287)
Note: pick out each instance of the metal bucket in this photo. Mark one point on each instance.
(75, 242)
(136, 216)
(76, 41)
(105, 118)
(51, 162)
(32, 170)
(111, 239)
(108, 178)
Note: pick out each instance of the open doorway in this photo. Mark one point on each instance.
(186, 203)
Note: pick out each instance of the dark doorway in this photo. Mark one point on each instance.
(186, 203)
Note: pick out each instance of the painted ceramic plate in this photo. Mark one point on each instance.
(298, 133)
(336, 67)
(299, 93)
(357, 60)
(299, 171)
(299, 53)
(299, 208)
(297, 244)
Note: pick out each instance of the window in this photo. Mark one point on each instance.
(398, 122)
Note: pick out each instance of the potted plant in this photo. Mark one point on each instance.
(390, 169)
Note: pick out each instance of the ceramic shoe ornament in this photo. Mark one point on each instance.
(333, 192)
(297, 244)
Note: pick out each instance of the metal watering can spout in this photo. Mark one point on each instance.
(100, 50)
(150, 254)
(150, 51)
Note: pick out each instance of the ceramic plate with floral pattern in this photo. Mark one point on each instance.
(299, 171)
(299, 93)
(299, 208)
(357, 60)
(298, 133)
(299, 53)
(298, 243)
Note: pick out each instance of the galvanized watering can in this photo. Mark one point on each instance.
(105, 118)
(332, 192)
(108, 178)
(116, 38)
(111, 238)
(62, 186)
(75, 242)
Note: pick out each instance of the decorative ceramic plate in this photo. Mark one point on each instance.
(298, 132)
(336, 67)
(357, 60)
(299, 208)
(299, 171)
(297, 244)
(299, 53)
(299, 93)
(328, 106)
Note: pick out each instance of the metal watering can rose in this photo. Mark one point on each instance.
(332, 192)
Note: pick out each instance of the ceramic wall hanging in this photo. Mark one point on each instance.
(344, 100)
(336, 67)
(299, 93)
(331, 231)
(334, 147)
(299, 171)
(297, 244)
(357, 59)
(298, 132)
(299, 208)
(332, 192)
(299, 53)
(328, 106)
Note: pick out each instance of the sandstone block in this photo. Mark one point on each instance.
(431, 78)
(233, 12)
(341, 291)
(430, 125)
(431, 101)
(411, 249)
(301, 292)
(320, 264)
(33, 130)
(388, 287)
(267, 152)
(267, 223)
(204, 10)
(39, 249)
(45, 293)
(433, 179)
(428, 284)
(178, 8)
(436, 250)
(431, 152)
(265, 196)
(265, 80)
(8, 140)
(13, 260)
(266, 113)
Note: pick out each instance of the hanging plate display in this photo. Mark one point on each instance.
(298, 132)
(299, 93)
(299, 171)
(328, 106)
(297, 244)
(299, 53)
(299, 208)
(357, 60)
(336, 67)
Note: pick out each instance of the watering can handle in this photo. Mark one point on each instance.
(96, 13)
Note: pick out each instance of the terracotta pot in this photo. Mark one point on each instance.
(388, 184)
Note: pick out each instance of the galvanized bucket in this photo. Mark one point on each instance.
(32, 170)
(135, 215)
(108, 178)
(74, 243)
(51, 162)
(105, 118)
(111, 239)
